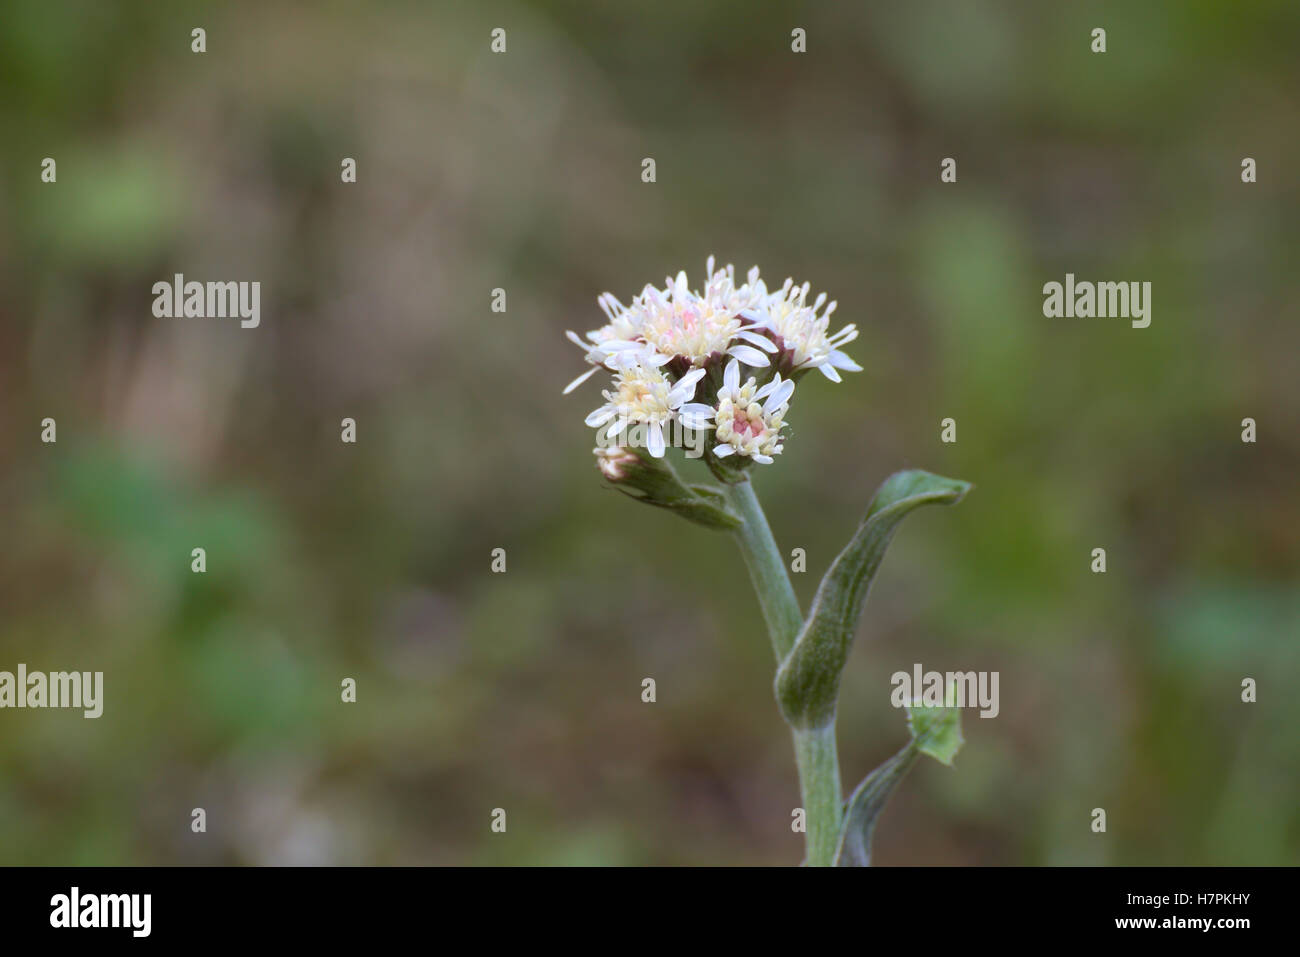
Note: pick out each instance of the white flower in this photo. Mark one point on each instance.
(804, 333)
(678, 322)
(663, 324)
(744, 427)
(612, 354)
(644, 395)
(616, 345)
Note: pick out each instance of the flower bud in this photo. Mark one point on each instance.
(653, 481)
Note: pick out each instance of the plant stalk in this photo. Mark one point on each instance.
(815, 751)
(819, 782)
(766, 569)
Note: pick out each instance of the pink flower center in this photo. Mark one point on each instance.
(744, 425)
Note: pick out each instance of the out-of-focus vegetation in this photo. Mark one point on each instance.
(522, 171)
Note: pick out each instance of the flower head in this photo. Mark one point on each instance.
(677, 322)
(669, 343)
(750, 417)
(802, 334)
(662, 325)
(642, 395)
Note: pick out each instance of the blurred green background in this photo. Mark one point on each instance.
(522, 171)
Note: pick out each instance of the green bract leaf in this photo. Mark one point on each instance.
(936, 732)
(808, 681)
(865, 806)
(654, 482)
(730, 470)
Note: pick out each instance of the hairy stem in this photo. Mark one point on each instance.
(775, 593)
(815, 753)
(819, 782)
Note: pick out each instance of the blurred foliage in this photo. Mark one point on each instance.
(522, 171)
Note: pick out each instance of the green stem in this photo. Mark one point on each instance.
(819, 783)
(775, 593)
(815, 753)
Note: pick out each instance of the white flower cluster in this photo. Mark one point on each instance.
(677, 355)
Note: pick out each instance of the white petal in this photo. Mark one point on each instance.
(612, 307)
(599, 417)
(748, 355)
(829, 372)
(620, 345)
(840, 361)
(779, 397)
(696, 408)
(763, 459)
(692, 377)
(580, 380)
(655, 440)
(731, 376)
(843, 337)
(763, 342)
(618, 428)
(677, 395)
(723, 450)
(621, 361)
(684, 389)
